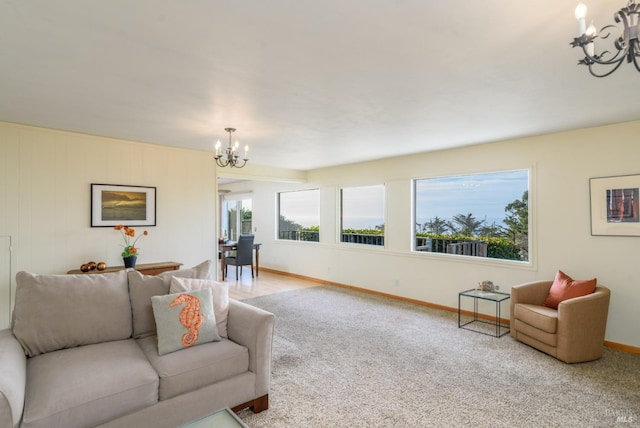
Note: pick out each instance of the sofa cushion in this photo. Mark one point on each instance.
(142, 287)
(564, 287)
(88, 385)
(195, 367)
(184, 320)
(59, 311)
(220, 295)
(540, 317)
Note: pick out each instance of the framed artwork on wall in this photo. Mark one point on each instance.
(113, 204)
(615, 203)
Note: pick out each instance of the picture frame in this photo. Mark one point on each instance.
(114, 204)
(615, 205)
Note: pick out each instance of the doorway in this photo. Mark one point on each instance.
(236, 216)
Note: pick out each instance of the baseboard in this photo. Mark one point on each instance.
(613, 345)
(622, 347)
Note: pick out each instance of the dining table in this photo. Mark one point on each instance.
(232, 246)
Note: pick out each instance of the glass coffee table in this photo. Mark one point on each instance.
(223, 418)
(478, 320)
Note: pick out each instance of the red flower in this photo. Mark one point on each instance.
(129, 248)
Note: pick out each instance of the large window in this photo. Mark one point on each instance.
(362, 215)
(482, 215)
(299, 215)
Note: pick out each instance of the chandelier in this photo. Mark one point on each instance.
(229, 156)
(624, 40)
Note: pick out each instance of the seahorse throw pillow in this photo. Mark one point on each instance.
(219, 291)
(184, 320)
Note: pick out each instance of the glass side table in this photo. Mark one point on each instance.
(223, 418)
(478, 320)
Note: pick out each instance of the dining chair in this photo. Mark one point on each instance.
(243, 256)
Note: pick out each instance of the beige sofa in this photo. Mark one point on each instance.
(83, 352)
(573, 333)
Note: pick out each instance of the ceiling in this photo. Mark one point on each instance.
(307, 84)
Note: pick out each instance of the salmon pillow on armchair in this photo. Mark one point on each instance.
(564, 287)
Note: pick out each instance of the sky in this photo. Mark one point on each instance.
(482, 195)
(302, 207)
(362, 207)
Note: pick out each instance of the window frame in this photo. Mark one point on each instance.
(238, 200)
(279, 215)
(529, 263)
(362, 238)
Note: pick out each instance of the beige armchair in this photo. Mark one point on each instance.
(573, 333)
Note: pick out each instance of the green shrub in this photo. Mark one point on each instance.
(502, 248)
(364, 231)
(497, 248)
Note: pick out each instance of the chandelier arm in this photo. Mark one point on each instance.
(621, 47)
(584, 41)
(634, 57)
(593, 73)
(618, 58)
(220, 163)
(608, 28)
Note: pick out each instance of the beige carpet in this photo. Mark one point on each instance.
(342, 358)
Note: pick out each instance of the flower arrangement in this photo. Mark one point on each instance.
(128, 234)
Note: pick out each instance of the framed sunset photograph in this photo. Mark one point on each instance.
(113, 204)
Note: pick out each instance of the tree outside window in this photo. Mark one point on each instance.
(236, 216)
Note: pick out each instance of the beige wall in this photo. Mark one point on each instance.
(44, 189)
(45, 178)
(561, 166)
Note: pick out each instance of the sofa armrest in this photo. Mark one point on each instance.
(253, 328)
(582, 323)
(13, 379)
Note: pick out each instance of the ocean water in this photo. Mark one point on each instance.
(124, 213)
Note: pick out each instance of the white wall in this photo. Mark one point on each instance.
(562, 165)
(45, 178)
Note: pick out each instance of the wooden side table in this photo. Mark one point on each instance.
(145, 268)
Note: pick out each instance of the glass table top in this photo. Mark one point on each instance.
(495, 296)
